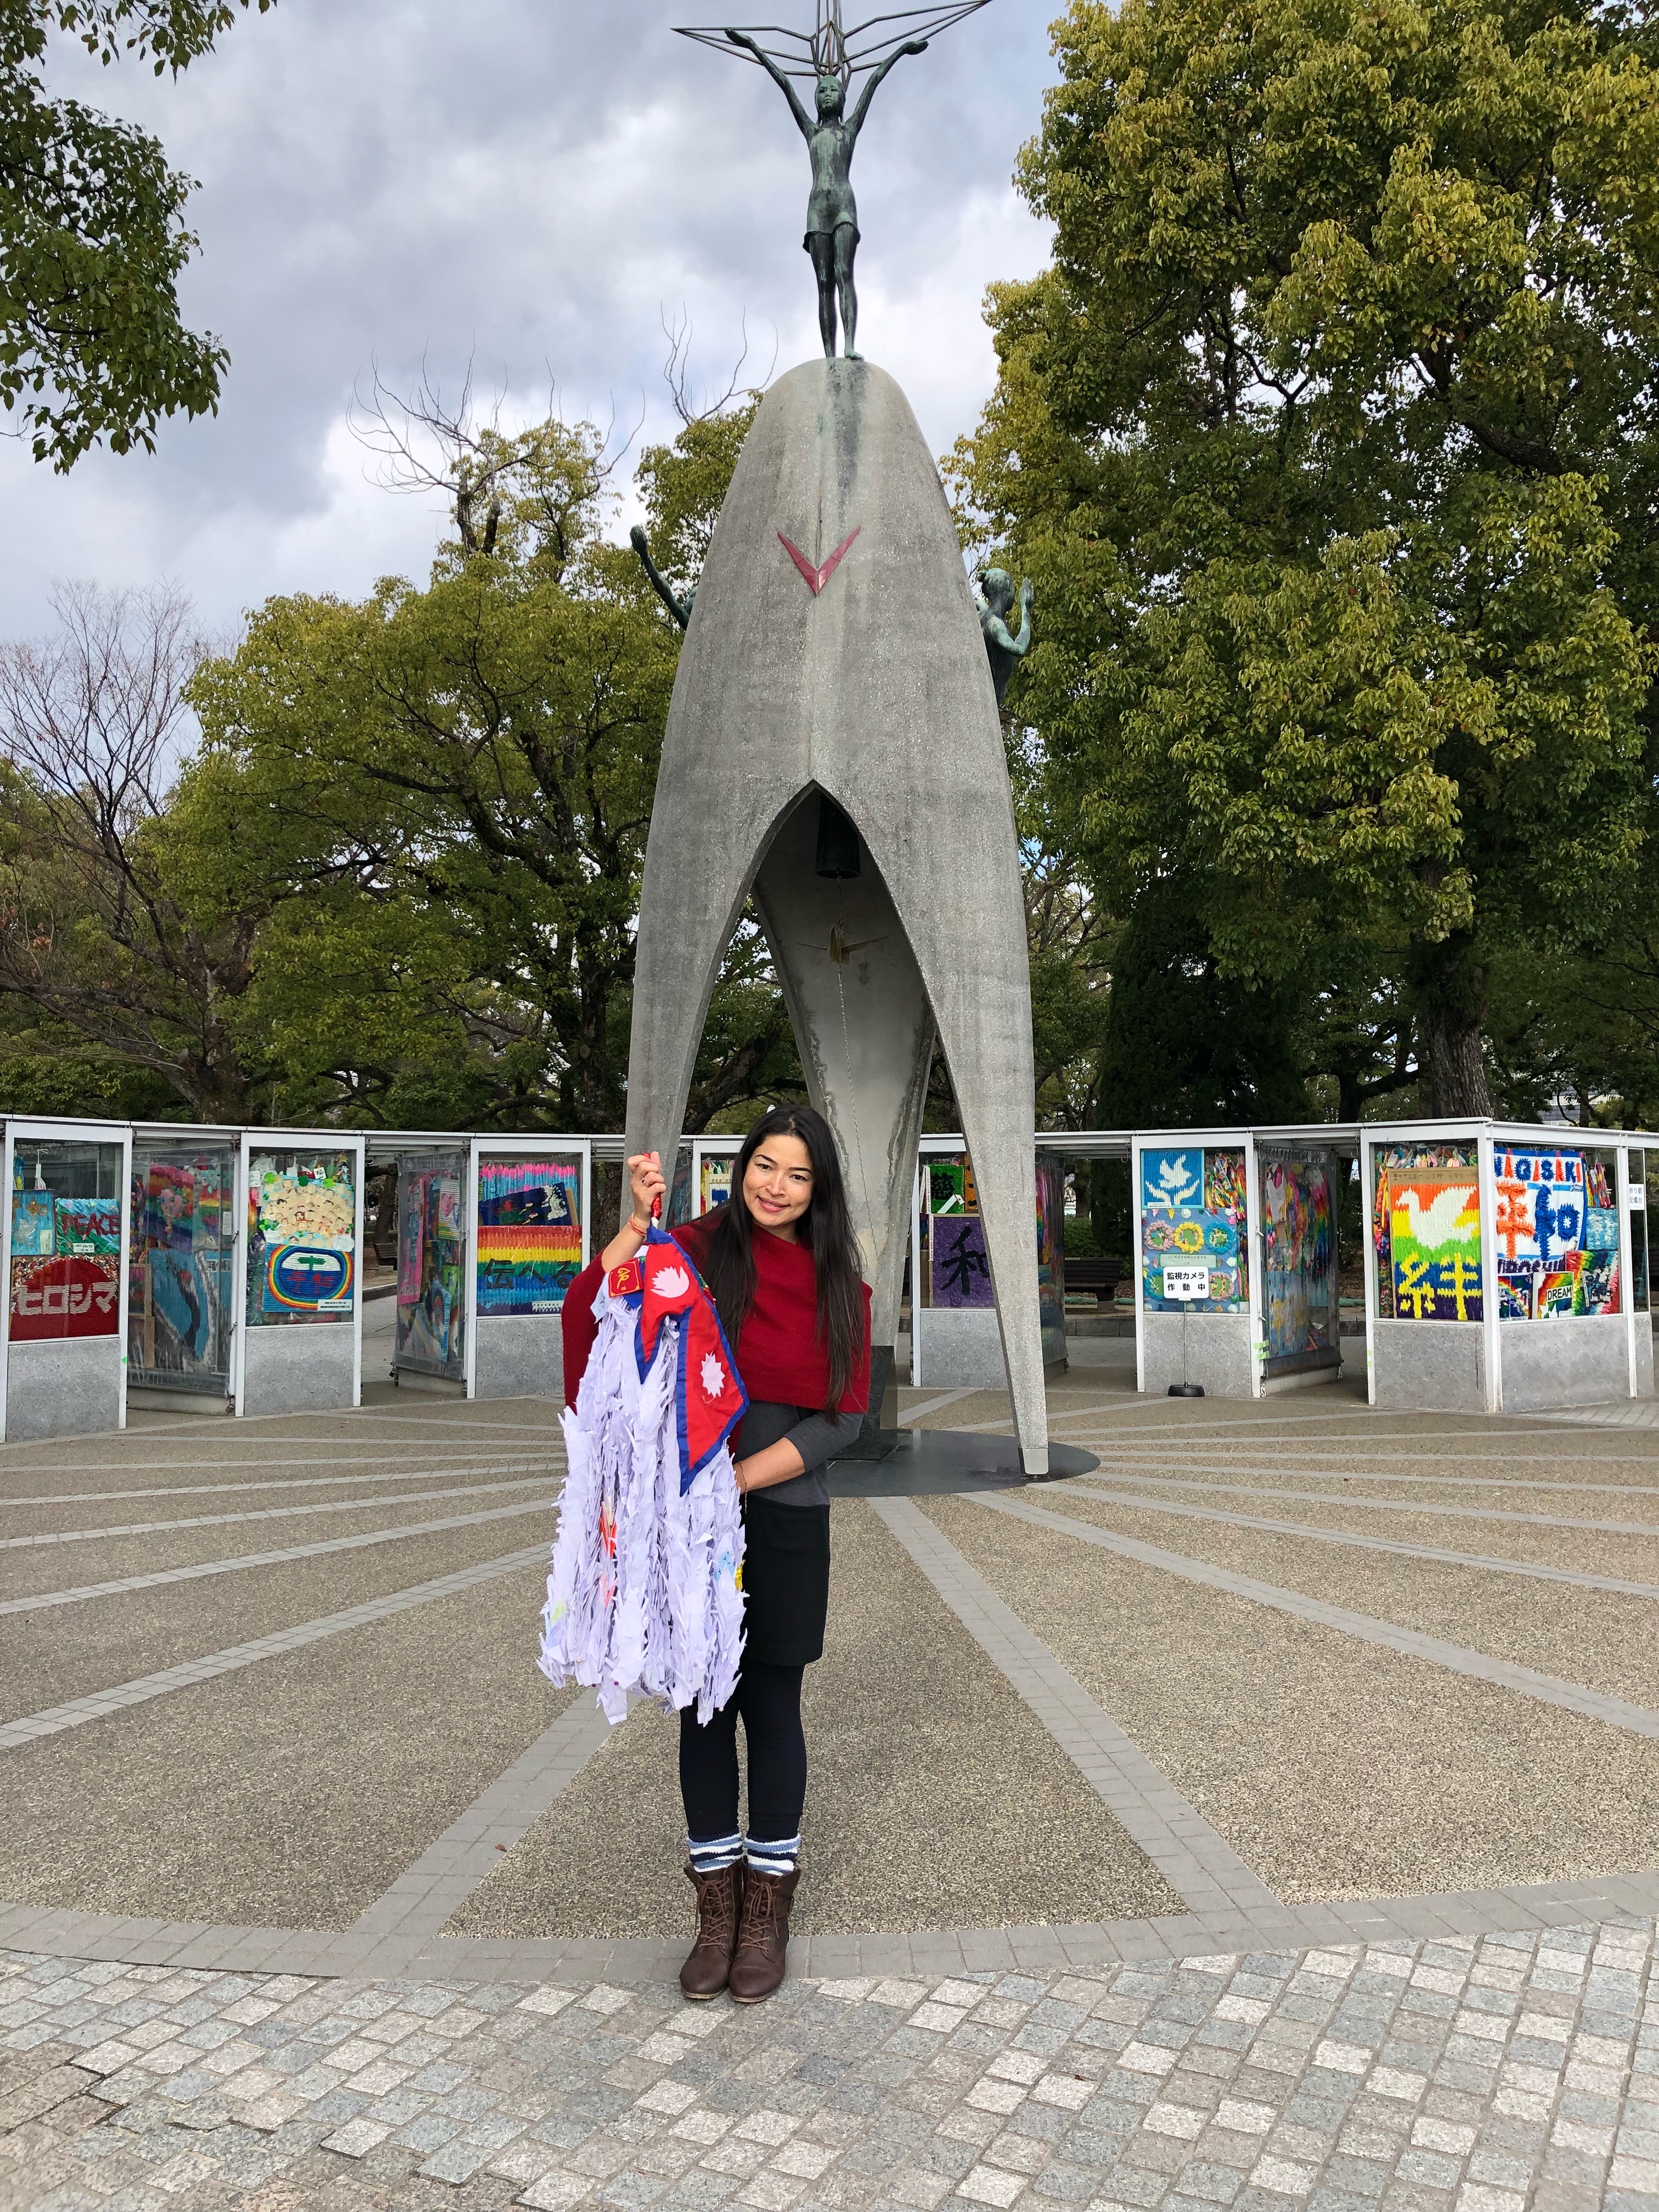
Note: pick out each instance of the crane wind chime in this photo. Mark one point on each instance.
(646, 1594)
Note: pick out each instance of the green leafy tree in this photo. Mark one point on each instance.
(1186, 1046)
(92, 235)
(441, 796)
(1329, 439)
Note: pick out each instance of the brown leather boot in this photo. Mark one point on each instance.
(719, 1898)
(762, 1936)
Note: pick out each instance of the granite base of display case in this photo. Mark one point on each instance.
(1432, 1366)
(1213, 1350)
(71, 1388)
(1576, 1359)
(960, 1348)
(305, 1367)
(518, 1356)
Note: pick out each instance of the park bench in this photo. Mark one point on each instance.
(1100, 1276)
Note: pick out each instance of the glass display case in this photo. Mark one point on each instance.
(180, 1302)
(65, 1239)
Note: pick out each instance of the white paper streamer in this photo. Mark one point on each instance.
(644, 1596)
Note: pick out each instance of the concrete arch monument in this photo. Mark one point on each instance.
(835, 654)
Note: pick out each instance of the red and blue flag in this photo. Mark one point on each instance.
(660, 1283)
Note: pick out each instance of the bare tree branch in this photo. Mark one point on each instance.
(676, 371)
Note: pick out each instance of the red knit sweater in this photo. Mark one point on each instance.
(779, 1355)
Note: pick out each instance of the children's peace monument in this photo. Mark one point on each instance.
(834, 752)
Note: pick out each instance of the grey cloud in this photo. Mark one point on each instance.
(525, 185)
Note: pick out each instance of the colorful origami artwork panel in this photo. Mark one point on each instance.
(947, 1186)
(1223, 1184)
(431, 1238)
(188, 1297)
(1392, 1162)
(1051, 1254)
(961, 1267)
(716, 1180)
(1515, 1289)
(302, 1238)
(1172, 1179)
(1539, 1216)
(1188, 1237)
(34, 1221)
(1555, 1222)
(68, 1294)
(1434, 1237)
(1598, 1284)
(179, 1280)
(1298, 1258)
(86, 1227)
(530, 1234)
(177, 1205)
(1600, 1229)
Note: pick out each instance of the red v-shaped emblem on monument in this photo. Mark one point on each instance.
(817, 578)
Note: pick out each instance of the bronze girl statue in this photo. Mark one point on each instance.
(832, 216)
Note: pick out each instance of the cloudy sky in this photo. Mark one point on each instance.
(529, 185)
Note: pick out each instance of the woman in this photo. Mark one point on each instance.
(782, 1266)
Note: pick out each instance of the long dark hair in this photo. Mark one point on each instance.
(825, 1228)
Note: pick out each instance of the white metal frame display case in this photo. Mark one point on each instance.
(1638, 1306)
(68, 1384)
(1336, 1146)
(313, 1363)
(195, 1383)
(1577, 1359)
(1224, 1352)
(520, 1355)
(429, 1338)
(1494, 1362)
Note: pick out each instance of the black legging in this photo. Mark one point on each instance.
(769, 1698)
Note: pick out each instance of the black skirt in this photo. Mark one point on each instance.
(785, 1580)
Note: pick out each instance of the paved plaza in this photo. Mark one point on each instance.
(1269, 1818)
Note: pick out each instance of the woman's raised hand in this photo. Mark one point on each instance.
(645, 1177)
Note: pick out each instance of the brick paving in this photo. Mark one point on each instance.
(1489, 2075)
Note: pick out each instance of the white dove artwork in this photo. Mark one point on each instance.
(1176, 1184)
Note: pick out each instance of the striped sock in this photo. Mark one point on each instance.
(714, 1853)
(778, 1857)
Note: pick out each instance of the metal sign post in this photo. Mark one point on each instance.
(1186, 1284)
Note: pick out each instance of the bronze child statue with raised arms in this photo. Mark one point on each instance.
(830, 58)
(832, 216)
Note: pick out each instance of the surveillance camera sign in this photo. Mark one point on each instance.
(1187, 1283)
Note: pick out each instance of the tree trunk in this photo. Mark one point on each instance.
(1449, 991)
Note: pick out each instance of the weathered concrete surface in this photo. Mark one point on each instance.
(876, 690)
(1433, 1366)
(306, 1368)
(1217, 1353)
(866, 1031)
(67, 1389)
(1581, 1359)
